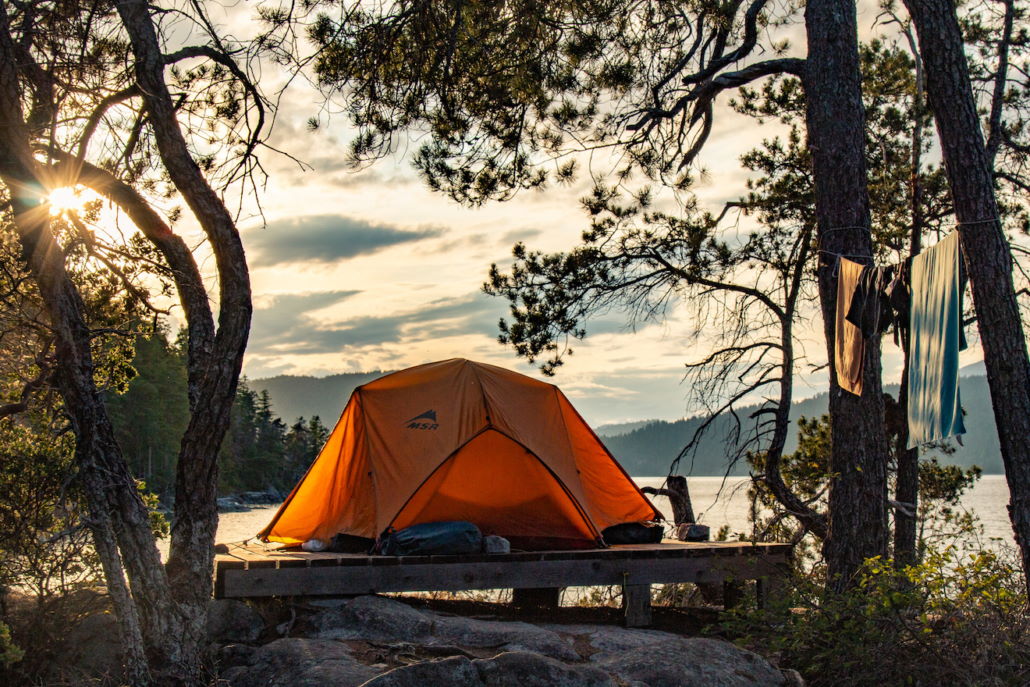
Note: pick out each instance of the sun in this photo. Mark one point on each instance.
(65, 199)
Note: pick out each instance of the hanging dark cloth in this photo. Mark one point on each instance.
(870, 308)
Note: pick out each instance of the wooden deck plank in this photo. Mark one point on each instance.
(408, 575)
(264, 556)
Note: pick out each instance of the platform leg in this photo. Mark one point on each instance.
(636, 605)
(536, 597)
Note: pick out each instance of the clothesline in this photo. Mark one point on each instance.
(852, 256)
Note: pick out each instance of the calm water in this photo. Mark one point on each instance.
(717, 502)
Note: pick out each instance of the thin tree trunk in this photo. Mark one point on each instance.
(112, 499)
(906, 488)
(836, 126)
(679, 498)
(772, 476)
(214, 366)
(987, 256)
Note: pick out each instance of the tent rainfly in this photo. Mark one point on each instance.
(460, 440)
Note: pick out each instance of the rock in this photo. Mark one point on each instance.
(692, 662)
(259, 497)
(509, 636)
(373, 618)
(608, 639)
(522, 669)
(295, 662)
(793, 678)
(231, 621)
(227, 505)
(232, 655)
(494, 544)
(456, 670)
(330, 602)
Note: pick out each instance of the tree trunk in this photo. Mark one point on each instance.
(679, 497)
(906, 487)
(213, 365)
(114, 505)
(987, 256)
(836, 126)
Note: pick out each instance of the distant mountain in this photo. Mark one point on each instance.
(302, 396)
(615, 429)
(647, 447)
(650, 449)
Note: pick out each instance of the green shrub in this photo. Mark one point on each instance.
(946, 621)
(9, 653)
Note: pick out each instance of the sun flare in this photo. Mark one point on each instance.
(65, 199)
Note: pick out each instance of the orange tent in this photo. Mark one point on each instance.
(460, 440)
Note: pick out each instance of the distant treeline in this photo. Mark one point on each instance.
(646, 448)
(260, 452)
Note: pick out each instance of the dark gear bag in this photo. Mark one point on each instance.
(348, 543)
(633, 533)
(431, 539)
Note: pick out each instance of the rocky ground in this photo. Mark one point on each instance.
(384, 642)
(387, 642)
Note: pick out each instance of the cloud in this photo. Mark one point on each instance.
(286, 329)
(278, 316)
(326, 239)
(516, 235)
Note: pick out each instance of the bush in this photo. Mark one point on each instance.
(946, 621)
(49, 573)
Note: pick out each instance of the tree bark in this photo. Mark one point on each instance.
(836, 124)
(213, 365)
(115, 507)
(906, 487)
(987, 256)
(679, 498)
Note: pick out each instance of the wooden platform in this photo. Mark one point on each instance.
(261, 570)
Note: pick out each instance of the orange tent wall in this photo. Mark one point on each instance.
(383, 465)
(503, 488)
(334, 496)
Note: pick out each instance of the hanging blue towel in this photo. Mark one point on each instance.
(934, 404)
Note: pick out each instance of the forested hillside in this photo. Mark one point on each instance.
(260, 452)
(649, 449)
(301, 396)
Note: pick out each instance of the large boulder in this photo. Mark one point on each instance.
(692, 662)
(507, 636)
(598, 641)
(296, 662)
(456, 670)
(230, 621)
(522, 669)
(510, 669)
(372, 618)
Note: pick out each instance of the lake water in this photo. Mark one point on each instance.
(716, 502)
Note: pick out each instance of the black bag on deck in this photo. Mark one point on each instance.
(348, 543)
(432, 539)
(633, 533)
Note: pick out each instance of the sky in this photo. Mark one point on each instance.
(361, 270)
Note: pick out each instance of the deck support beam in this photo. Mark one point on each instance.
(536, 577)
(636, 605)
